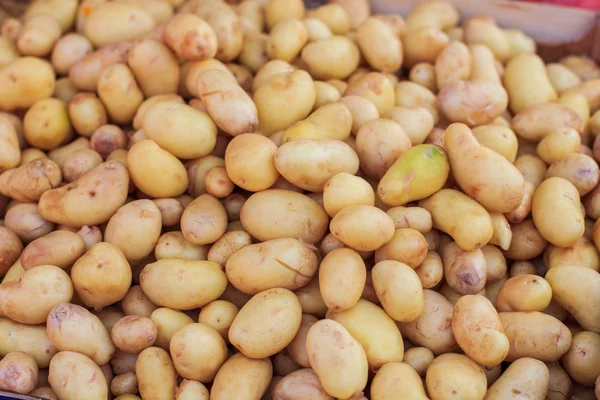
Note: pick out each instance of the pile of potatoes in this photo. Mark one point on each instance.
(250, 200)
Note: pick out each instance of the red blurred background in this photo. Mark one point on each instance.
(588, 4)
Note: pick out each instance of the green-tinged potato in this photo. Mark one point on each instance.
(249, 160)
(135, 229)
(527, 82)
(284, 99)
(376, 88)
(524, 378)
(418, 173)
(72, 374)
(25, 81)
(18, 373)
(452, 64)
(115, 21)
(10, 152)
(73, 328)
(156, 374)
(29, 339)
(28, 182)
(456, 374)
(499, 138)
(478, 330)
(277, 213)
(433, 329)
(101, 276)
(524, 293)
(173, 245)
(309, 164)
(167, 322)
(556, 212)
(46, 124)
(396, 377)
(204, 220)
(582, 361)
(337, 358)
(349, 228)
(472, 102)
(535, 334)
(267, 323)
(538, 121)
(380, 45)
(453, 212)
(465, 271)
(279, 263)
(198, 352)
(48, 284)
(330, 121)
(475, 166)
(407, 246)
(335, 57)
(119, 92)
(182, 284)
(575, 289)
(155, 171)
(240, 374)
(190, 37)
(399, 290)
(304, 383)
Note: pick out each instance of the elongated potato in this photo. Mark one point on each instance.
(330, 121)
(473, 166)
(47, 283)
(399, 289)
(478, 330)
(347, 226)
(240, 374)
(46, 124)
(73, 373)
(31, 79)
(527, 377)
(10, 151)
(527, 82)
(457, 374)
(29, 339)
(433, 329)
(190, 37)
(84, 74)
(535, 334)
(161, 283)
(119, 92)
(73, 328)
(328, 340)
(472, 102)
(448, 209)
(112, 22)
(395, 377)
(156, 375)
(579, 169)
(380, 46)
(524, 293)
(423, 44)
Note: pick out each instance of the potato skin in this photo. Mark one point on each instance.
(18, 373)
(133, 333)
(33, 80)
(240, 374)
(28, 182)
(526, 376)
(73, 373)
(10, 249)
(347, 226)
(29, 339)
(156, 375)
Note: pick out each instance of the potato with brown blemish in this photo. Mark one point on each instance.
(465, 271)
(28, 182)
(133, 333)
(18, 373)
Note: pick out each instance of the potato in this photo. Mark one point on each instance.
(253, 54)
(578, 103)
(276, 213)
(294, 161)
(86, 113)
(527, 242)
(401, 184)
(73, 373)
(64, 90)
(63, 11)
(226, 25)
(173, 245)
(59, 248)
(395, 377)
(191, 390)
(573, 288)
(204, 221)
(431, 270)
(326, 94)
(145, 159)
(498, 138)
(85, 73)
(535, 334)
(161, 282)
(136, 302)
(581, 253)
(376, 88)
(167, 322)
(79, 162)
(10, 153)
(240, 374)
(170, 211)
(286, 40)
(439, 14)
(433, 328)
(335, 57)
(399, 289)
(527, 377)
(249, 160)
(10, 249)
(25, 221)
(524, 293)
(304, 382)
(135, 229)
(448, 373)
(448, 209)
(562, 77)
(190, 37)
(472, 102)
(495, 261)
(154, 67)
(347, 227)
(464, 152)
(328, 340)
(417, 122)
(156, 375)
(423, 44)
(295, 94)
(345, 189)
(8, 51)
(478, 330)
(198, 352)
(269, 70)
(407, 246)
(379, 44)
(18, 373)
(419, 358)
(28, 182)
(379, 143)
(483, 30)
(119, 92)
(585, 68)
(38, 35)
(230, 107)
(331, 121)
(73, 328)
(133, 333)
(46, 124)
(452, 64)
(124, 384)
(570, 227)
(416, 218)
(423, 74)
(29, 339)
(579, 169)
(219, 315)
(582, 360)
(465, 271)
(362, 110)
(559, 383)
(127, 22)
(31, 79)
(558, 144)
(297, 347)
(522, 73)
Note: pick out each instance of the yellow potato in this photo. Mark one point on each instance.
(579, 169)
(396, 377)
(423, 73)
(8, 51)
(124, 384)
(423, 44)
(190, 37)
(26, 222)
(112, 22)
(331, 121)
(136, 302)
(73, 328)
(349, 228)
(455, 375)
(31, 79)
(483, 64)
(532, 168)
(376, 88)
(249, 160)
(167, 322)
(11, 248)
(562, 77)
(483, 30)
(582, 361)
(557, 196)
(419, 358)
(535, 334)
(84, 74)
(119, 92)
(63, 11)
(399, 289)
(240, 374)
(227, 26)
(10, 152)
(431, 270)
(297, 347)
(527, 242)
(362, 110)
(277, 213)
(527, 377)
(578, 103)
(273, 318)
(465, 153)
(498, 138)
(46, 124)
(189, 390)
(343, 190)
(73, 373)
(472, 102)
(502, 236)
(204, 221)
(174, 245)
(581, 253)
(304, 382)
(439, 14)
(334, 57)
(478, 331)
(29, 339)
(407, 246)
(326, 94)
(154, 67)
(410, 94)
(559, 383)
(465, 271)
(18, 373)
(527, 82)
(286, 40)
(269, 70)
(219, 315)
(86, 113)
(448, 210)
(228, 244)
(452, 64)
(316, 29)
(380, 45)
(337, 358)
(496, 263)
(558, 144)
(156, 374)
(38, 35)
(279, 263)
(133, 333)
(433, 328)
(28, 182)
(524, 293)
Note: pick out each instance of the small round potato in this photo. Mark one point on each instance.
(397, 377)
(31, 79)
(419, 358)
(133, 333)
(455, 373)
(136, 302)
(431, 270)
(376, 88)
(18, 373)
(219, 315)
(46, 124)
(26, 222)
(204, 221)
(87, 113)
